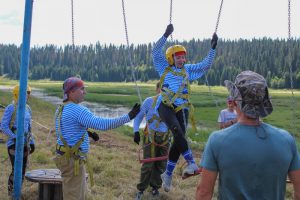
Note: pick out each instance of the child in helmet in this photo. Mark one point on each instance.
(173, 103)
(9, 127)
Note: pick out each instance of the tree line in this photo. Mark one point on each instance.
(110, 63)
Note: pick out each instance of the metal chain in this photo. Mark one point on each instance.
(290, 68)
(289, 19)
(219, 15)
(171, 12)
(72, 13)
(130, 58)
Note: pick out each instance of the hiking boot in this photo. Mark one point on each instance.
(138, 195)
(191, 169)
(166, 181)
(155, 192)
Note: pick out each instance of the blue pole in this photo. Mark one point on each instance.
(22, 99)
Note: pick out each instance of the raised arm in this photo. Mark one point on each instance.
(197, 70)
(159, 60)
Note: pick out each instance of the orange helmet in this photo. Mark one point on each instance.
(174, 50)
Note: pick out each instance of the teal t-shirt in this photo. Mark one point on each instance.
(252, 161)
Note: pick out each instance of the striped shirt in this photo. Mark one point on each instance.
(5, 124)
(148, 111)
(76, 119)
(173, 82)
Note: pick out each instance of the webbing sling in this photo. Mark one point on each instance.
(74, 150)
(169, 102)
(149, 136)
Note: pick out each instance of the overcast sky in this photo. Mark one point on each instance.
(102, 20)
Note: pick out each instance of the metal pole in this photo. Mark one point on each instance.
(22, 99)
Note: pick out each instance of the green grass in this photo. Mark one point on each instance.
(114, 160)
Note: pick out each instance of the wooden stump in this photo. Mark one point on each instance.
(50, 183)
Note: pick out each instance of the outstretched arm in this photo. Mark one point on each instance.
(197, 70)
(88, 119)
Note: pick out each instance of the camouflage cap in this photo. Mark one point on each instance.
(250, 91)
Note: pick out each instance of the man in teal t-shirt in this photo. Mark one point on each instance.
(253, 159)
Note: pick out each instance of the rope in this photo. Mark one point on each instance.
(210, 91)
(219, 15)
(206, 80)
(171, 12)
(130, 58)
(290, 68)
(72, 13)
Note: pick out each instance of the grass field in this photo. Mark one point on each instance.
(114, 158)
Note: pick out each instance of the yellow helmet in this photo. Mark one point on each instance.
(15, 92)
(173, 50)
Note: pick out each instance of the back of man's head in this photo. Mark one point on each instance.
(250, 91)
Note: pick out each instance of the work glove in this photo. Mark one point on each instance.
(134, 111)
(93, 135)
(169, 30)
(137, 137)
(214, 41)
(32, 148)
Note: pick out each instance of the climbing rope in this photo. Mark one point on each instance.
(290, 69)
(129, 53)
(206, 80)
(219, 15)
(170, 19)
(72, 15)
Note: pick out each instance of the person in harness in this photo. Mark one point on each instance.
(9, 127)
(173, 103)
(71, 123)
(156, 139)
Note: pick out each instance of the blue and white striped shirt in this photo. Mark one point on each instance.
(148, 111)
(173, 82)
(7, 117)
(76, 119)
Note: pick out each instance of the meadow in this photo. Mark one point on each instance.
(114, 157)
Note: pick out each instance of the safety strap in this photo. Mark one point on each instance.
(151, 137)
(12, 122)
(167, 94)
(74, 150)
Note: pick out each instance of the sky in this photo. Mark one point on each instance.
(102, 20)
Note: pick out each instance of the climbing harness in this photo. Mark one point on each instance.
(169, 96)
(150, 139)
(74, 152)
(14, 129)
